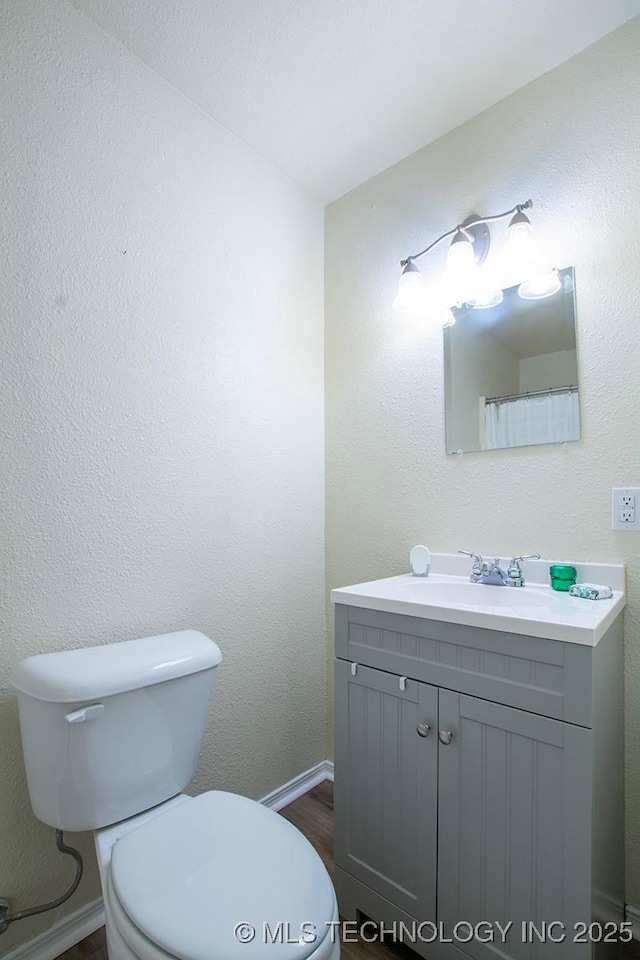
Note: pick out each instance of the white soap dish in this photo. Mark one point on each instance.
(420, 561)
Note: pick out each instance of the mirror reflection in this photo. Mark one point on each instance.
(511, 372)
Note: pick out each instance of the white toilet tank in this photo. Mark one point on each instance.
(110, 731)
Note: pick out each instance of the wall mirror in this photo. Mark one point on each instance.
(511, 372)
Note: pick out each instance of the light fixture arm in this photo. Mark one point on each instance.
(519, 207)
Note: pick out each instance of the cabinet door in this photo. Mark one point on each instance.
(514, 826)
(386, 785)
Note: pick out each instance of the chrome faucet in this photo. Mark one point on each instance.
(491, 573)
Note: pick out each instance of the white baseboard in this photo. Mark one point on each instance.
(295, 788)
(632, 914)
(78, 925)
(62, 935)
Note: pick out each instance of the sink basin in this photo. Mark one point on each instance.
(474, 594)
(533, 610)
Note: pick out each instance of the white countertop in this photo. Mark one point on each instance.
(534, 610)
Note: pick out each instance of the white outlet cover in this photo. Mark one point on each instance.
(618, 505)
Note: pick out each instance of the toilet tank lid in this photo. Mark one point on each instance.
(89, 673)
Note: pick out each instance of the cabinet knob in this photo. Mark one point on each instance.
(445, 737)
(423, 729)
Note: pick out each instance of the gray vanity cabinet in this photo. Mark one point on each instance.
(515, 819)
(388, 802)
(504, 810)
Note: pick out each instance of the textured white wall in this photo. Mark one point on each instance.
(162, 391)
(569, 140)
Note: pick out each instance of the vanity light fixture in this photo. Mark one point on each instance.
(464, 281)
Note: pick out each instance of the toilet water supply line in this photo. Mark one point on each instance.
(6, 917)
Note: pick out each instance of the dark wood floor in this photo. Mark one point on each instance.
(313, 815)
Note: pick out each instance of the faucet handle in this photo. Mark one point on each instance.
(527, 556)
(475, 556)
(514, 573)
(478, 561)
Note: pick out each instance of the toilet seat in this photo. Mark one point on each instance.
(180, 883)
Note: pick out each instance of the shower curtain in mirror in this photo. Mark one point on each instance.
(550, 418)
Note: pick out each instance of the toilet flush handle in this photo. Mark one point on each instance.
(85, 713)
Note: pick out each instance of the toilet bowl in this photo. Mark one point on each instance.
(111, 736)
(179, 884)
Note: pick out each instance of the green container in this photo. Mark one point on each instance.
(562, 576)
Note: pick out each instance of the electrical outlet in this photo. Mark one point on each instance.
(624, 501)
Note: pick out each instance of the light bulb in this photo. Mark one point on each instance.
(540, 287)
(521, 250)
(461, 271)
(412, 295)
(484, 301)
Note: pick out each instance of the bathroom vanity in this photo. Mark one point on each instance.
(479, 762)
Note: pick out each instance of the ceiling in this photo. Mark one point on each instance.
(334, 91)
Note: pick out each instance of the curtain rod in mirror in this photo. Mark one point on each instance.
(570, 388)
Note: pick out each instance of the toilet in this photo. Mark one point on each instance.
(111, 737)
